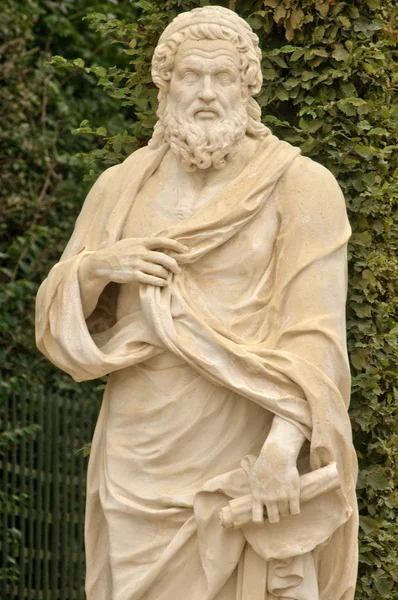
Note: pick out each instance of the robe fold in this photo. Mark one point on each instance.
(253, 326)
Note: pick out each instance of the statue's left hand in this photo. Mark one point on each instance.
(275, 484)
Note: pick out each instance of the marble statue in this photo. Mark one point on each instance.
(206, 276)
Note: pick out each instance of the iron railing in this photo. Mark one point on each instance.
(43, 492)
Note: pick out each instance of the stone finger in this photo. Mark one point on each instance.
(294, 503)
(166, 244)
(283, 507)
(151, 280)
(153, 269)
(257, 511)
(159, 258)
(272, 512)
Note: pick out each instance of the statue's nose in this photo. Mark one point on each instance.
(207, 92)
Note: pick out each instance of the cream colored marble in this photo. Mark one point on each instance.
(207, 276)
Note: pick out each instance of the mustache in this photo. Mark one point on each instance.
(207, 108)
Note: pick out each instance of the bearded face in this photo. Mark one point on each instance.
(206, 115)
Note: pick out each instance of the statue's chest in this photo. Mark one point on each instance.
(233, 283)
(161, 203)
(243, 258)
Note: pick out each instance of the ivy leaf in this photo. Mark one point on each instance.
(345, 21)
(307, 75)
(347, 107)
(298, 53)
(318, 33)
(141, 103)
(340, 53)
(85, 450)
(279, 61)
(290, 83)
(269, 74)
(367, 275)
(256, 22)
(378, 226)
(78, 62)
(358, 359)
(297, 18)
(348, 89)
(282, 94)
(279, 12)
(368, 524)
(366, 26)
(369, 68)
(377, 481)
(99, 71)
(364, 151)
(323, 8)
(384, 587)
(320, 52)
(379, 131)
(58, 60)
(120, 93)
(366, 559)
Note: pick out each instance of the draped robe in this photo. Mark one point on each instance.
(252, 327)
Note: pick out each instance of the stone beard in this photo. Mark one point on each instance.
(202, 145)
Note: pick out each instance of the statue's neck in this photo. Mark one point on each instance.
(209, 177)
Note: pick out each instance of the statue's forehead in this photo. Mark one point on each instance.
(207, 49)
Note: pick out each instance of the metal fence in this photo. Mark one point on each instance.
(46, 473)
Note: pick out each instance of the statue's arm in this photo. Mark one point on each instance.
(310, 291)
(67, 299)
(58, 303)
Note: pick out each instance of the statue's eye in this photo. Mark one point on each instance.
(225, 78)
(189, 77)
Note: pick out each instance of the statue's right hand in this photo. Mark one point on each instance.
(143, 260)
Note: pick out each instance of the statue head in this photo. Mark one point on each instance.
(207, 68)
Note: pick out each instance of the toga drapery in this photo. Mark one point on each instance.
(252, 327)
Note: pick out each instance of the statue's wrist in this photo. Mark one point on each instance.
(280, 452)
(284, 441)
(90, 270)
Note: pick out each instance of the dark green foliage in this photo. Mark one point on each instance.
(41, 191)
(329, 87)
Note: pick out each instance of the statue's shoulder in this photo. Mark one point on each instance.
(307, 172)
(109, 184)
(308, 185)
(137, 156)
(115, 172)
